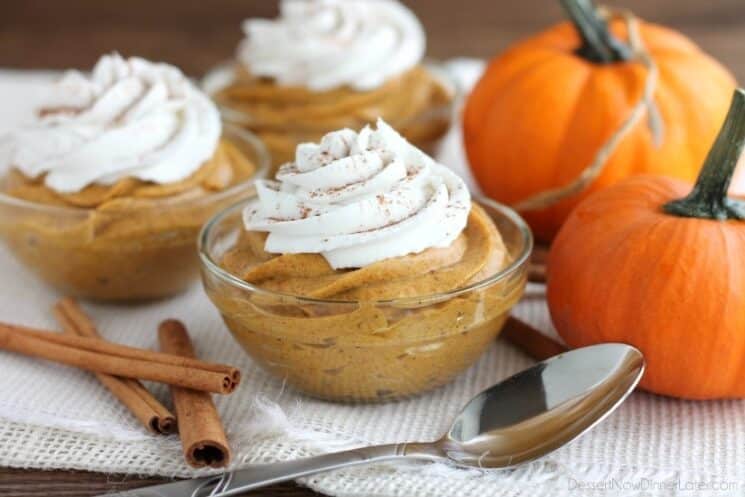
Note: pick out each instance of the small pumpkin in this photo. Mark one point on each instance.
(544, 108)
(633, 264)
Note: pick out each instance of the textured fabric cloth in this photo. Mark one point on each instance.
(54, 417)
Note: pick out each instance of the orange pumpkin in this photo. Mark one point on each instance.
(544, 108)
(634, 265)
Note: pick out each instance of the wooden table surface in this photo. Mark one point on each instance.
(195, 35)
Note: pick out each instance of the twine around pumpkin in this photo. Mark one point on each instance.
(646, 103)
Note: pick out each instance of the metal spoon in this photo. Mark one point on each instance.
(520, 419)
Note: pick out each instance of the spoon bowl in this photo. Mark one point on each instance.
(522, 418)
(544, 407)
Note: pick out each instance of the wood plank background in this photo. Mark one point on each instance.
(196, 34)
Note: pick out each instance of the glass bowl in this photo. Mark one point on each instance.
(366, 351)
(140, 252)
(424, 129)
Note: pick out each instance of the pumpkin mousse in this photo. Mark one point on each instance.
(106, 191)
(328, 64)
(371, 274)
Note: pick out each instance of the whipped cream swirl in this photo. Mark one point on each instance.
(359, 198)
(324, 44)
(128, 118)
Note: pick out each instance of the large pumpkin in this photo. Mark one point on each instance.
(544, 108)
(633, 264)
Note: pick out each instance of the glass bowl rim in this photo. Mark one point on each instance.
(247, 137)
(520, 261)
(233, 115)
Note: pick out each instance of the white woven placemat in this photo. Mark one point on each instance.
(56, 417)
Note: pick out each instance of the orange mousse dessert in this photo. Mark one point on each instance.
(365, 272)
(105, 193)
(328, 64)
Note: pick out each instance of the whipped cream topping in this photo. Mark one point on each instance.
(324, 44)
(359, 198)
(128, 118)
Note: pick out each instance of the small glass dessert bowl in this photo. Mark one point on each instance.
(355, 322)
(81, 207)
(326, 65)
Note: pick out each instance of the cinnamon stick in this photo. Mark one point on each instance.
(536, 272)
(537, 264)
(531, 341)
(141, 403)
(202, 435)
(100, 356)
(540, 253)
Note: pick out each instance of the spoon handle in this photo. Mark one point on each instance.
(261, 475)
(258, 476)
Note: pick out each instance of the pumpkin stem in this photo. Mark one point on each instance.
(598, 44)
(708, 199)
